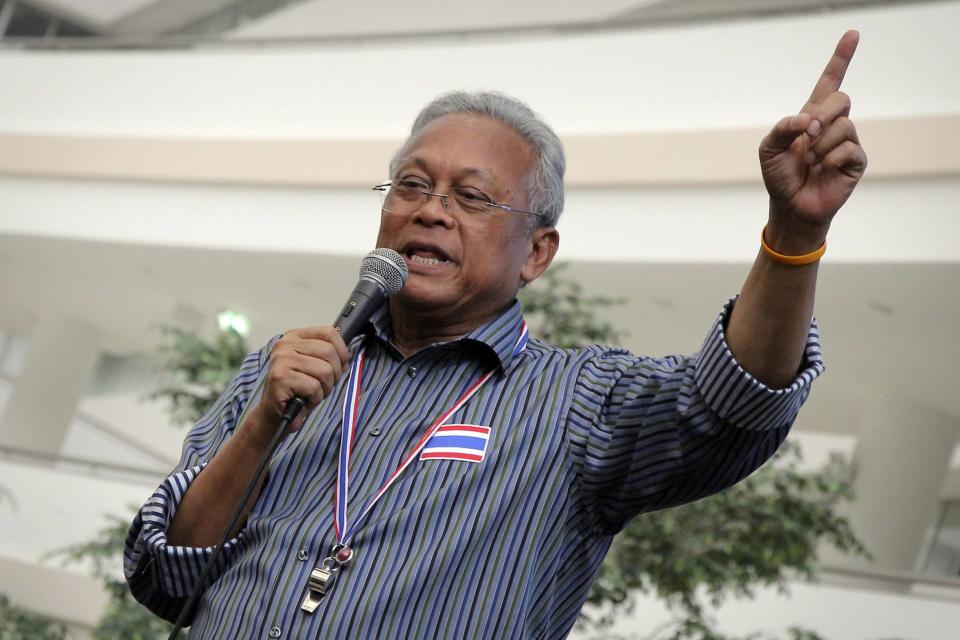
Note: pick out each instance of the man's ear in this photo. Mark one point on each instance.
(544, 242)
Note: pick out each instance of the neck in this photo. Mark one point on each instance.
(414, 331)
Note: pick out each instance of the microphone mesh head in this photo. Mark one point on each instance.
(386, 265)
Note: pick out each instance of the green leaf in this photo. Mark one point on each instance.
(201, 370)
(20, 624)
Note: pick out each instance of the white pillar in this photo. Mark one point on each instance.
(902, 458)
(60, 358)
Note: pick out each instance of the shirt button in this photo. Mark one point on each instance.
(303, 555)
(412, 371)
(275, 632)
(375, 431)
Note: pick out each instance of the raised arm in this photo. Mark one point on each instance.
(811, 163)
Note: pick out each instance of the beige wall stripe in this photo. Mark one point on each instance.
(897, 148)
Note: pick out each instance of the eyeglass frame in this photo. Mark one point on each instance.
(445, 200)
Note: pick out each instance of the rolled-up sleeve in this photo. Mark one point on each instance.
(740, 399)
(161, 576)
(649, 433)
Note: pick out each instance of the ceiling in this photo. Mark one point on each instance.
(172, 22)
(886, 328)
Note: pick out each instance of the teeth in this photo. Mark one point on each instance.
(433, 261)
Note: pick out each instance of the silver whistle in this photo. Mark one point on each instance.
(321, 580)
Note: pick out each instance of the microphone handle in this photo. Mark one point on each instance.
(363, 302)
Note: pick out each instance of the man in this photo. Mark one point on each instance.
(463, 481)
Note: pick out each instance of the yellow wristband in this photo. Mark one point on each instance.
(793, 261)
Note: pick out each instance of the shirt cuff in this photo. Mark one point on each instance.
(177, 568)
(738, 397)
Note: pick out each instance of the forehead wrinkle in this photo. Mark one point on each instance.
(474, 172)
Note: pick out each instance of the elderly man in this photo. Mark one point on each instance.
(483, 473)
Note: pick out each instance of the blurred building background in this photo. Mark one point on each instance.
(162, 161)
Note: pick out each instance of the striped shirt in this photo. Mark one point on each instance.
(577, 443)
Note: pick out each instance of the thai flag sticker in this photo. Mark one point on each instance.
(467, 442)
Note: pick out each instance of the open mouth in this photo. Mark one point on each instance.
(426, 256)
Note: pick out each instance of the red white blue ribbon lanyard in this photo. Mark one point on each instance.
(321, 579)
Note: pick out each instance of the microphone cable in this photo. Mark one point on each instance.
(292, 409)
(382, 274)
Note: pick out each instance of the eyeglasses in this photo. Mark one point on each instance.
(403, 197)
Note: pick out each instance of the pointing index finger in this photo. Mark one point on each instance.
(836, 68)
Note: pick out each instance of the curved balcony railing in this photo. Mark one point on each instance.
(943, 553)
(24, 24)
(84, 466)
(90, 466)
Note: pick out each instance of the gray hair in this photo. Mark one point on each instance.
(545, 194)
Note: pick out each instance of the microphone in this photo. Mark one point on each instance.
(382, 274)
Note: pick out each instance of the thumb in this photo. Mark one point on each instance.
(785, 132)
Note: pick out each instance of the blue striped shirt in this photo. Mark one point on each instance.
(580, 441)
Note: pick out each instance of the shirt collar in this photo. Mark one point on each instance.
(498, 336)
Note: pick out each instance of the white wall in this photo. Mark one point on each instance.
(728, 74)
(708, 76)
(706, 224)
(836, 613)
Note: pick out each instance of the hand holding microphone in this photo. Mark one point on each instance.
(306, 363)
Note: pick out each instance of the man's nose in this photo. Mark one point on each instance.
(436, 210)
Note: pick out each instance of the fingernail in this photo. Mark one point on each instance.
(809, 157)
(814, 127)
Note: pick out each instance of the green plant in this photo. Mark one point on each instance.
(201, 370)
(19, 624)
(124, 618)
(559, 312)
(763, 531)
(760, 532)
